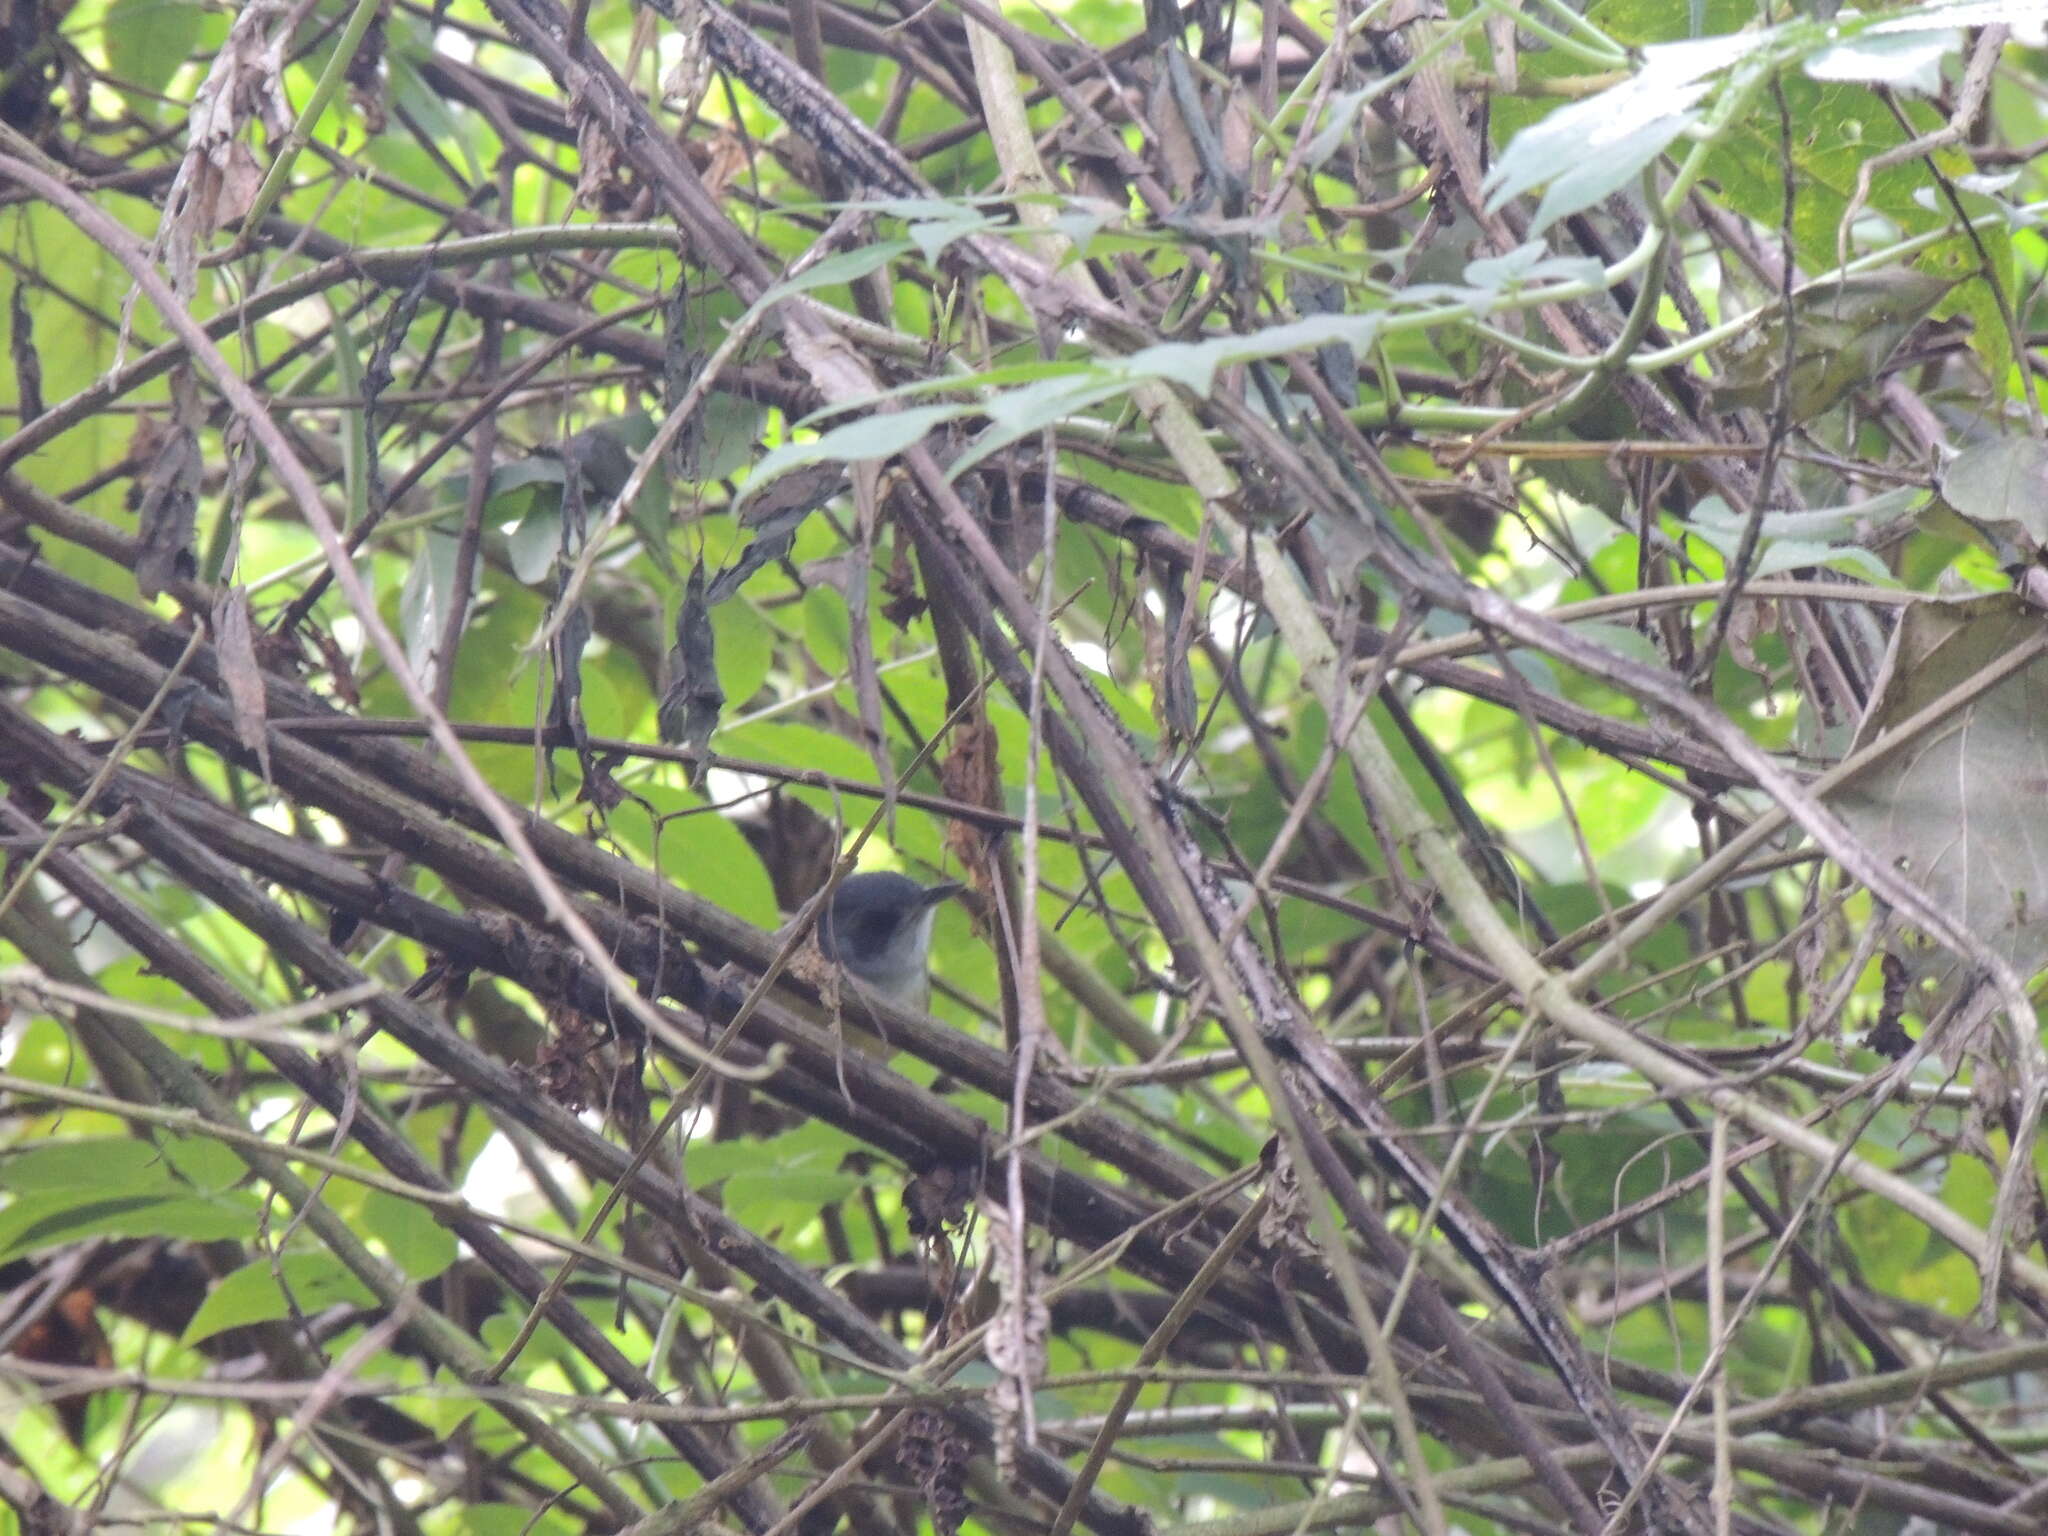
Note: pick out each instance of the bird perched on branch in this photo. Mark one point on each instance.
(878, 930)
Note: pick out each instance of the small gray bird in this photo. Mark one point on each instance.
(879, 931)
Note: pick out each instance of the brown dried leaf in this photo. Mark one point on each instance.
(933, 1453)
(599, 186)
(683, 87)
(234, 644)
(1956, 813)
(1751, 619)
(936, 1200)
(1284, 1224)
(169, 504)
(968, 774)
(899, 585)
(218, 179)
(234, 180)
(725, 161)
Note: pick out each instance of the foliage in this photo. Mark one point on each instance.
(1460, 591)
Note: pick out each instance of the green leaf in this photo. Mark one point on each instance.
(1792, 555)
(2001, 488)
(1794, 540)
(423, 601)
(766, 1197)
(426, 107)
(409, 1234)
(1905, 60)
(1598, 144)
(499, 1330)
(91, 1163)
(746, 649)
(934, 235)
(251, 1294)
(203, 1163)
(701, 850)
(40, 1221)
(1837, 129)
(1525, 264)
(1618, 164)
(841, 267)
(728, 427)
(871, 437)
(148, 41)
(536, 543)
(534, 469)
(812, 1147)
(1193, 365)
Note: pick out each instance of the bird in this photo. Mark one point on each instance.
(878, 930)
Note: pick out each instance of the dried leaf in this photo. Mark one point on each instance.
(365, 74)
(565, 650)
(377, 374)
(1956, 814)
(601, 786)
(1751, 620)
(968, 774)
(572, 635)
(28, 364)
(169, 506)
(1284, 1224)
(599, 186)
(775, 515)
(726, 160)
(234, 644)
(1173, 690)
(683, 87)
(805, 490)
(219, 177)
(899, 585)
(691, 702)
(1015, 1342)
(934, 1454)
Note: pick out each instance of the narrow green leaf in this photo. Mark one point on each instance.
(871, 437)
(841, 267)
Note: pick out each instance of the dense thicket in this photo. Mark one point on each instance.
(1457, 584)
